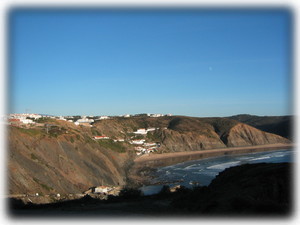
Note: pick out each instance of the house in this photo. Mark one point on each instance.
(119, 140)
(156, 115)
(151, 129)
(141, 131)
(24, 115)
(27, 121)
(103, 117)
(102, 189)
(137, 142)
(150, 144)
(14, 120)
(85, 120)
(100, 137)
(139, 149)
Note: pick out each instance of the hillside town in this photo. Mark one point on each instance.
(30, 118)
(139, 145)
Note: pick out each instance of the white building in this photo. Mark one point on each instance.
(24, 115)
(85, 120)
(102, 189)
(34, 116)
(150, 144)
(139, 148)
(137, 142)
(100, 137)
(156, 115)
(119, 140)
(27, 121)
(151, 129)
(62, 118)
(141, 131)
(103, 117)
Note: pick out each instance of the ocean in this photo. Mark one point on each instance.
(202, 172)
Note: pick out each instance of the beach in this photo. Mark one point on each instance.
(177, 157)
(144, 165)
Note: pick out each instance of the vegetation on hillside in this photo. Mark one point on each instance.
(111, 145)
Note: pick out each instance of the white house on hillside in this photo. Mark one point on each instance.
(141, 131)
(137, 142)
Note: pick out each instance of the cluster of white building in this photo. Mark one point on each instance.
(22, 118)
(24, 115)
(142, 147)
(148, 114)
(88, 122)
(146, 148)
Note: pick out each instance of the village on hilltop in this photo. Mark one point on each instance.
(27, 120)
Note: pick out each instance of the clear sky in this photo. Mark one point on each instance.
(183, 62)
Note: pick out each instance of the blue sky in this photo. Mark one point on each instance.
(184, 62)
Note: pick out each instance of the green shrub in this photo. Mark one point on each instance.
(44, 120)
(42, 185)
(154, 136)
(95, 132)
(33, 157)
(110, 144)
(31, 132)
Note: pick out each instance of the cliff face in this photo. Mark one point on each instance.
(244, 135)
(280, 125)
(189, 134)
(69, 163)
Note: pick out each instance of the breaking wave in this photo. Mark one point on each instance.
(223, 166)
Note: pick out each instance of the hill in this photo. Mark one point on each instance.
(180, 133)
(281, 125)
(58, 157)
(250, 189)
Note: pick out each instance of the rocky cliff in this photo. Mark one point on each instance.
(68, 163)
(281, 125)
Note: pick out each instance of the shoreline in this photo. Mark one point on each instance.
(157, 160)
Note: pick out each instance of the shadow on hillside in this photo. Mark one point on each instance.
(251, 190)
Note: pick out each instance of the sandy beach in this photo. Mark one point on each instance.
(154, 160)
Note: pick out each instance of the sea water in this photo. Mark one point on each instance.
(202, 172)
